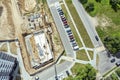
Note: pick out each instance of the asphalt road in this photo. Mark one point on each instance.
(105, 63)
(87, 23)
(50, 72)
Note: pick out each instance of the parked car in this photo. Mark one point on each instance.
(68, 30)
(118, 63)
(63, 18)
(67, 73)
(74, 44)
(65, 21)
(96, 38)
(71, 36)
(66, 26)
(112, 60)
(72, 40)
(37, 78)
(61, 13)
(76, 48)
(69, 33)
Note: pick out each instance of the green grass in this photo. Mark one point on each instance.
(81, 55)
(75, 67)
(79, 24)
(97, 60)
(114, 76)
(91, 54)
(118, 72)
(104, 8)
(71, 26)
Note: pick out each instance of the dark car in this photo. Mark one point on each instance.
(67, 73)
(69, 33)
(96, 38)
(112, 60)
(68, 30)
(71, 36)
(71, 40)
(61, 13)
(74, 44)
(36, 78)
(59, 10)
(66, 26)
(118, 63)
(63, 18)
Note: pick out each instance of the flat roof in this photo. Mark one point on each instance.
(43, 47)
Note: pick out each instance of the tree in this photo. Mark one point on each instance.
(115, 4)
(90, 7)
(98, 1)
(114, 77)
(112, 44)
(118, 72)
(83, 1)
(86, 72)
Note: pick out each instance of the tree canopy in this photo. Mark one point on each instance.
(98, 0)
(115, 4)
(90, 7)
(83, 1)
(84, 73)
(112, 44)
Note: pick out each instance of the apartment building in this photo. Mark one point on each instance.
(8, 65)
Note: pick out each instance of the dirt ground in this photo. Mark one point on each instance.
(11, 24)
(27, 5)
(6, 23)
(58, 47)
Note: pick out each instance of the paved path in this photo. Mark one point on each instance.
(24, 73)
(8, 47)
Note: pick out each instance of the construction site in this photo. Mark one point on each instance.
(31, 23)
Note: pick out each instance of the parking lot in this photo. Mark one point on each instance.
(66, 27)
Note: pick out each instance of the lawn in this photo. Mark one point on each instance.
(91, 54)
(71, 26)
(75, 67)
(114, 76)
(118, 72)
(79, 24)
(81, 55)
(104, 8)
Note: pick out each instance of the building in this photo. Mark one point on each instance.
(44, 51)
(8, 65)
(39, 50)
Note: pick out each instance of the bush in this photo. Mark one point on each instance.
(112, 44)
(90, 7)
(83, 1)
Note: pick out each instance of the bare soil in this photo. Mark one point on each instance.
(7, 29)
(13, 48)
(4, 48)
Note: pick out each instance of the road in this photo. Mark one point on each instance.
(87, 23)
(50, 72)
